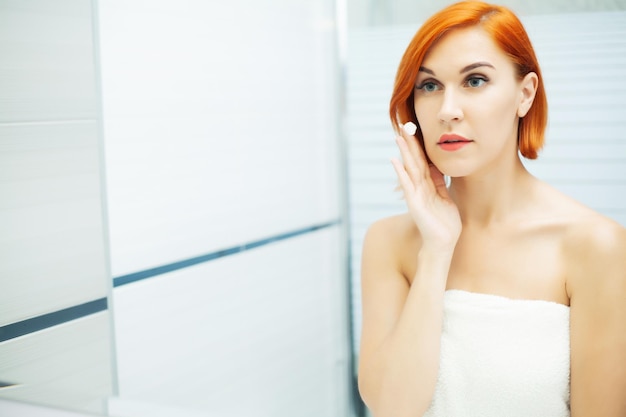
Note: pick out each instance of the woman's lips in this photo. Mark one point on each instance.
(452, 142)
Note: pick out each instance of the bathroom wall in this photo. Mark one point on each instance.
(367, 13)
(224, 176)
(217, 142)
(55, 322)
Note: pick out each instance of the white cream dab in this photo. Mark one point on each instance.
(410, 128)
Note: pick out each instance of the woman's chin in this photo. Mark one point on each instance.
(453, 170)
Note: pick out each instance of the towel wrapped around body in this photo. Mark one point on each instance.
(502, 357)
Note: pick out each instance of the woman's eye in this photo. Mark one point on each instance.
(428, 87)
(475, 82)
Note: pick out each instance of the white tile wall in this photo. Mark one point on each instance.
(47, 70)
(52, 244)
(52, 251)
(51, 234)
(255, 333)
(221, 128)
(68, 366)
(220, 123)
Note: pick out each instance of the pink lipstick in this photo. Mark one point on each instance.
(452, 142)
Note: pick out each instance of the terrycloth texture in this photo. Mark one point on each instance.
(502, 357)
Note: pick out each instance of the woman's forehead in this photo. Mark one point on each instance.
(461, 47)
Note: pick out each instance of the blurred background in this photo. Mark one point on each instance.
(185, 185)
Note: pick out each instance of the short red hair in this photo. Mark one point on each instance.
(507, 32)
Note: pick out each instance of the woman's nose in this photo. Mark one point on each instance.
(450, 110)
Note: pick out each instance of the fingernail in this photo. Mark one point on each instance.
(410, 128)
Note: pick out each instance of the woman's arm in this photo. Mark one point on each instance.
(399, 356)
(597, 286)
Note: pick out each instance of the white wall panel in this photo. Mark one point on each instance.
(255, 333)
(365, 13)
(47, 68)
(220, 124)
(221, 129)
(53, 260)
(67, 366)
(582, 57)
(51, 235)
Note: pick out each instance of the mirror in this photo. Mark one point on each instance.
(170, 171)
(173, 211)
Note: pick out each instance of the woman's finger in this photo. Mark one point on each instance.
(438, 181)
(403, 177)
(411, 165)
(408, 133)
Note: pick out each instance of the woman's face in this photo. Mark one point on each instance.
(468, 101)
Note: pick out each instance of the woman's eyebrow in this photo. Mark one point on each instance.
(476, 65)
(463, 70)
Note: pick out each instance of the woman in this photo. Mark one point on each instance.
(494, 295)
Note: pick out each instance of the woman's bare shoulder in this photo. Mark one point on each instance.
(594, 245)
(394, 228)
(595, 242)
(595, 230)
(393, 233)
(388, 239)
(578, 222)
(585, 229)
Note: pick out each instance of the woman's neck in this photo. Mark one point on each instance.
(495, 197)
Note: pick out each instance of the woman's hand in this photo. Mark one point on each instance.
(429, 203)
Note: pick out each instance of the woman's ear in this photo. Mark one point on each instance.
(528, 86)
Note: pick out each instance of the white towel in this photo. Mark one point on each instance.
(502, 357)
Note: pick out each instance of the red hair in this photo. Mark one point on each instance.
(507, 32)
